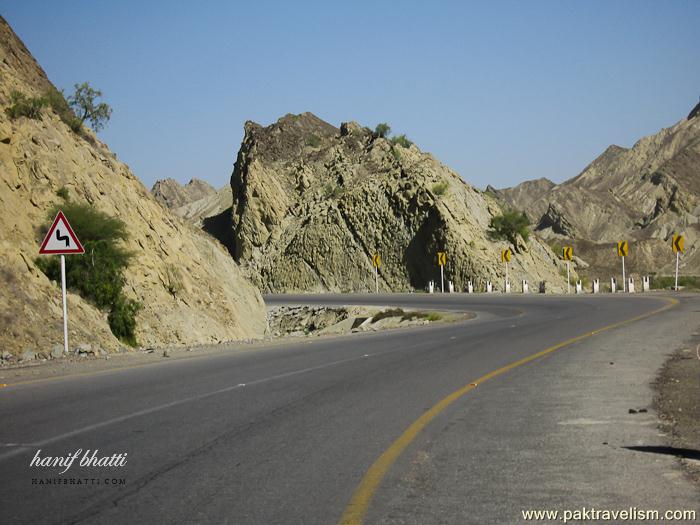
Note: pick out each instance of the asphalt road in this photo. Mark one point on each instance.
(287, 434)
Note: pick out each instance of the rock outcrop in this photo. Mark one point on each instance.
(191, 290)
(312, 203)
(523, 195)
(172, 194)
(642, 194)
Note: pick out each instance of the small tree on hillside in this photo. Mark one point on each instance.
(382, 130)
(84, 105)
(509, 225)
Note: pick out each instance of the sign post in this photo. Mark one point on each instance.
(678, 245)
(622, 251)
(61, 240)
(442, 260)
(568, 253)
(505, 257)
(376, 261)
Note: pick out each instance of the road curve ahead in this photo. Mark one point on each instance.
(384, 427)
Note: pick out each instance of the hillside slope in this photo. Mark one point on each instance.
(312, 203)
(213, 300)
(643, 194)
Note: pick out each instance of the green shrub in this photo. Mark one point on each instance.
(406, 316)
(440, 188)
(58, 103)
(314, 141)
(689, 282)
(63, 193)
(98, 274)
(401, 140)
(508, 226)
(557, 248)
(122, 319)
(395, 153)
(23, 106)
(332, 191)
(173, 279)
(389, 312)
(382, 130)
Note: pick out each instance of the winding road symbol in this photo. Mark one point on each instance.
(64, 238)
(60, 239)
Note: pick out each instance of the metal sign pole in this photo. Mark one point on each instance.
(505, 284)
(376, 279)
(678, 256)
(568, 280)
(65, 305)
(442, 279)
(624, 281)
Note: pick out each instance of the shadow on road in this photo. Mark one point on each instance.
(686, 453)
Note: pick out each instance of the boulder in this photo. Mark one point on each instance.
(57, 351)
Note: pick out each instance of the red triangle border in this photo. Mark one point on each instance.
(44, 251)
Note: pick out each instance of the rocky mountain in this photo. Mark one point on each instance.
(312, 203)
(643, 194)
(172, 194)
(524, 194)
(191, 290)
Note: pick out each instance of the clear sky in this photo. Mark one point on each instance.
(499, 91)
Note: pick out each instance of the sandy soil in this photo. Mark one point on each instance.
(678, 405)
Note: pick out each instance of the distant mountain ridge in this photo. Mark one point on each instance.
(172, 194)
(643, 194)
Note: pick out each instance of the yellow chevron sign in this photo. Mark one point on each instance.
(506, 255)
(377, 260)
(567, 253)
(623, 248)
(678, 243)
(442, 258)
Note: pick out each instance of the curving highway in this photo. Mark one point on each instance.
(524, 407)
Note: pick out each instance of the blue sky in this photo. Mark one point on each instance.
(499, 91)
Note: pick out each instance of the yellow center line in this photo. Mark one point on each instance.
(361, 499)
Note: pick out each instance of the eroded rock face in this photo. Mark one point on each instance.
(312, 203)
(523, 195)
(191, 289)
(172, 194)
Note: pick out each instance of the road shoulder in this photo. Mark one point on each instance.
(678, 404)
(575, 430)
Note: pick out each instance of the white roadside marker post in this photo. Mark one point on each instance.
(624, 281)
(678, 258)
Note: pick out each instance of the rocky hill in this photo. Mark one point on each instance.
(172, 194)
(523, 195)
(191, 290)
(643, 194)
(312, 203)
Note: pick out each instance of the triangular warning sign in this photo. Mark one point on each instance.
(61, 239)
